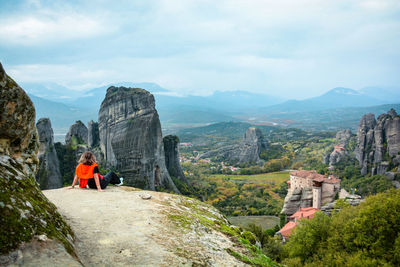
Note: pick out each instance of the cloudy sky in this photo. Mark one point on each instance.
(295, 49)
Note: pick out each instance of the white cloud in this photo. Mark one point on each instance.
(50, 27)
(297, 48)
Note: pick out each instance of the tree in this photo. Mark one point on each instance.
(308, 236)
(365, 235)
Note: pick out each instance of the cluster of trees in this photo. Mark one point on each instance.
(365, 235)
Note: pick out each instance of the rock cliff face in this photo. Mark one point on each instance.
(77, 133)
(378, 142)
(342, 140)
(247, 151)
(25, 211)
(93, 134)
(343, 137)
(171, 150)
(296, 199)
(131, 139)
(48, 175)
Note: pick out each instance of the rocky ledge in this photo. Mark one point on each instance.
(147, 228)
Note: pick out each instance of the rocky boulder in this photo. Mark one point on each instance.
(77, 134)
(25, 212)
(171, 150)
(48, 175)
(247, 151)
(131, 138)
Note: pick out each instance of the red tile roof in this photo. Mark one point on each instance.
(340, 147)
(316, 176)
(307, 213)
(287, 229)
(302, 213)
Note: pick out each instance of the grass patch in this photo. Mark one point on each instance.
(271, 177)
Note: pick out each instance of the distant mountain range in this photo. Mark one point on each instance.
(337, 108)
(61, 115)
(337, 98)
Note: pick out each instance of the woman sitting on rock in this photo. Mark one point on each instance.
(88, 174)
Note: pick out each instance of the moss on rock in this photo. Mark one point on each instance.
(192, 215)
(25, 211)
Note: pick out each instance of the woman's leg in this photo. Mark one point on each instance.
(114, 178)
(109, 178)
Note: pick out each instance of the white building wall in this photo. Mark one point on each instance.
(317, 197)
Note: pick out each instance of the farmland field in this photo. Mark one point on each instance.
(244, 195)
(271, 178)
(265, 222)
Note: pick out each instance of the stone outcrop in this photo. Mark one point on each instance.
(77, 133)
(171, 150)
(378, 142)
(296, 199)
(339, 151)
(352, 200)
(343, 137)
(245, 152)
(161, 230)
(93, 134)
(25, 212)
(131, 139)
(48, 175)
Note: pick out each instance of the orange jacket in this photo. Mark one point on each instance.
(84, 173)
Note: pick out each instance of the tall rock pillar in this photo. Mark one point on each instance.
(131, 139)
(48, 176)
(171, 150)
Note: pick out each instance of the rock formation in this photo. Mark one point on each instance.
(78, 134)
(343, 137)
(171, 150)
(339, 151)
(353, 200)
(378, 142)
(48, 175)
(247, 151)
(93, 134)
(25, 211)
(296, 199)
(131, 139)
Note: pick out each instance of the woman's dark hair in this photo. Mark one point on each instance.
(87, 158)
